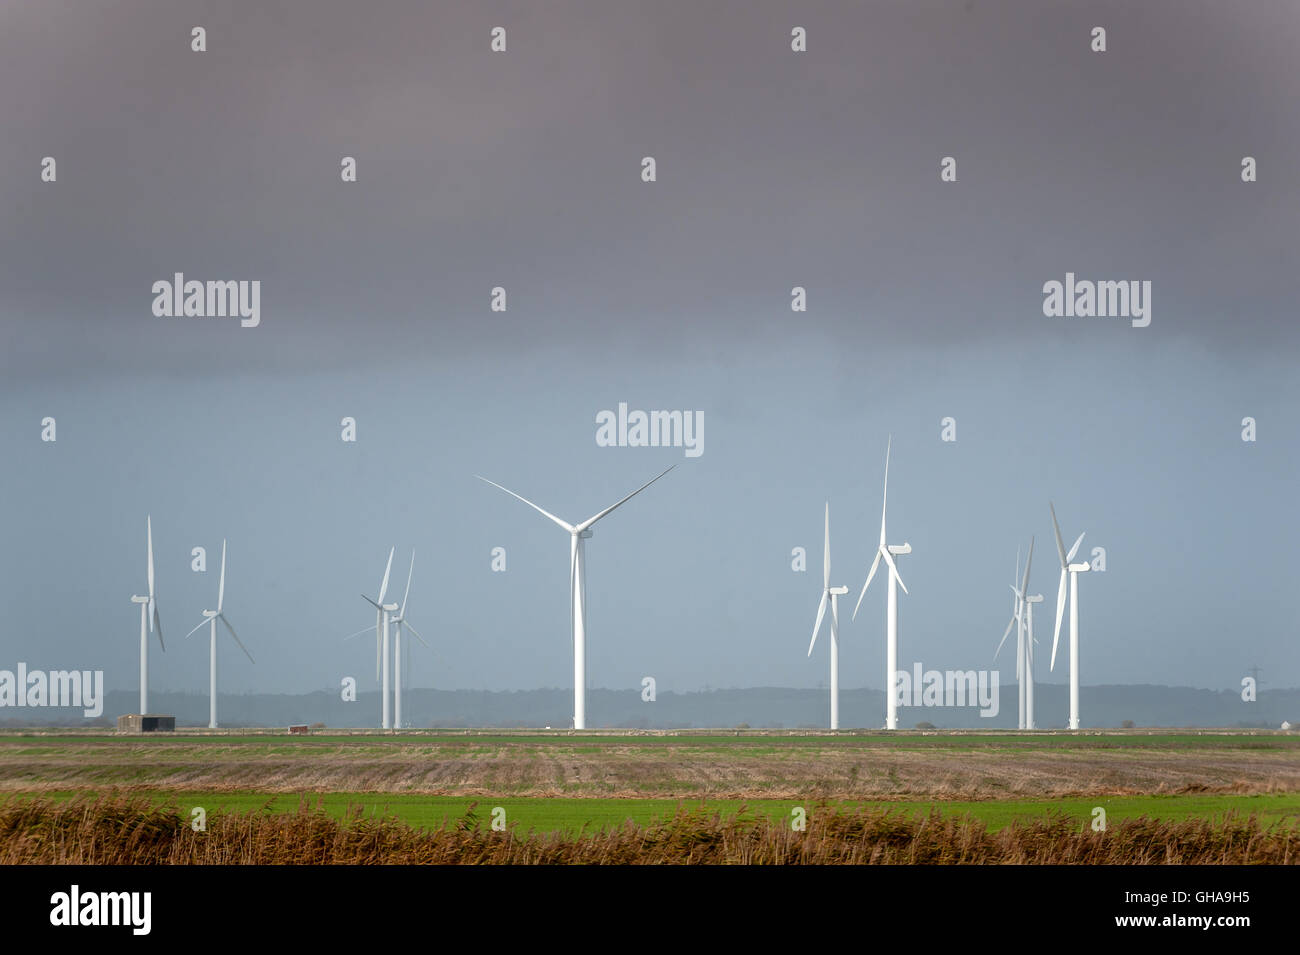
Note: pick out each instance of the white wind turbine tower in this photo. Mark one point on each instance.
(399, 622)
(211, 617)
(1032, 599)
(1024, 666)
(148, 620)
(833, 594)
(382, 610)
(887, 552)
(578, 536)
(1073, 570)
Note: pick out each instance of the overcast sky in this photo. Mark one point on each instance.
(522, 169)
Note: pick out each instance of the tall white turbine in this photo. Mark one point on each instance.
(149, 620)
(887, 552)
(1073, 570)
(1024, 669)
(832, 594)
(382, 611)
(578, 536)
(1017, 621)
(1029, 659)
(211, 617)
(398, 623)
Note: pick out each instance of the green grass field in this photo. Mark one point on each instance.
(574, 815)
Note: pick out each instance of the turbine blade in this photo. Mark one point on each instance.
(591, 520)
(1075, 549)
(884, 502)
(1004, 638)
(1024, 584)
(567, 526)
(157, 625)
(221, 586)
(402, 612)
(383, 586)
(826, 551)
(821, 612)
(1060, 544)
(371, 602)
(893, 569)
(222, 618)
(148, 523)
(415, 633)
(353, 636)
(196, 627)
(1060, 609)
(870, 574)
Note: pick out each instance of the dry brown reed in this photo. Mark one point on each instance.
(122, 829)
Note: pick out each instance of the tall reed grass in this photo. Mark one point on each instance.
(122, 829)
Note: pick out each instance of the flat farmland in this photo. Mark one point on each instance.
(859, 767)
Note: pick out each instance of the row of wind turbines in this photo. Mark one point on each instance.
(392, 617)
(1022, 617)
(384, 663)
(389, 614)
(151, 622)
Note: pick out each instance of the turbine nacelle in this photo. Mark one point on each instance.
(898, 549)
(1079, 568)
(139, 600)
(838, 591)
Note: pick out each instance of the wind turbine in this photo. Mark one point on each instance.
(1073, 570)
(148, 621)
(1017, 621)
(211, 617)
(888, 552)
(833, 594)
(382, 610)
(578, 536)
(400, 621)
(1024, 669)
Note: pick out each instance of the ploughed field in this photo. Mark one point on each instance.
(1181, 797)
(746, 766)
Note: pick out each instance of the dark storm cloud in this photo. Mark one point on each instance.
(521, 169)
